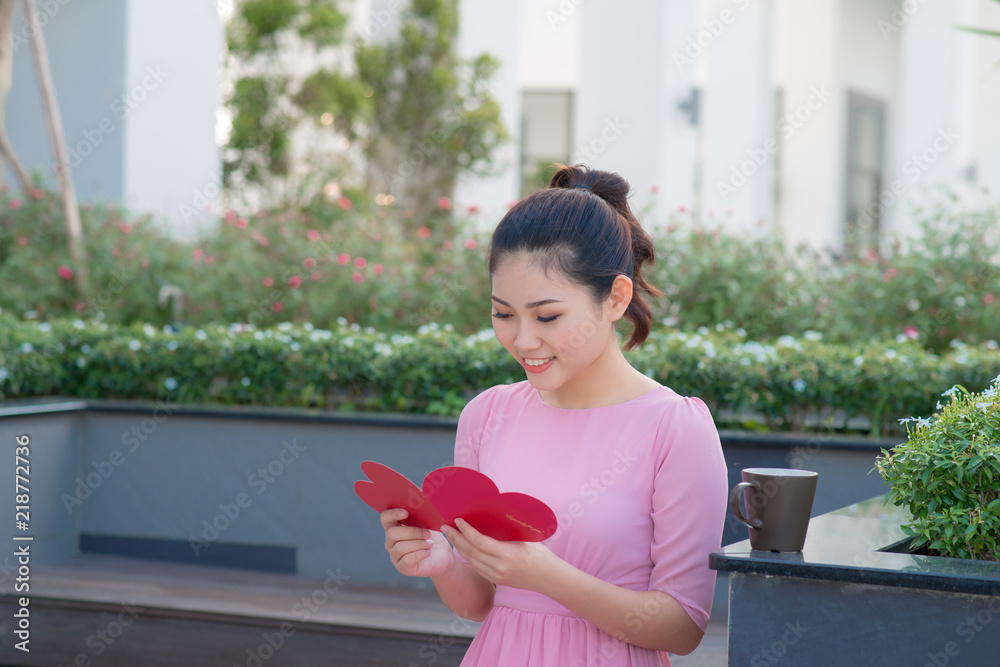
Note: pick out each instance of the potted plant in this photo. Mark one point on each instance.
(947, 473)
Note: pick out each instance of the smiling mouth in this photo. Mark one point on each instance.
(537, 362)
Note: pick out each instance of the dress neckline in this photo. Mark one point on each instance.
(538, 398)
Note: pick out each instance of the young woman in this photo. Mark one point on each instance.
(633, 471)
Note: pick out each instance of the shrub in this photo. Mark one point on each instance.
(948, 475)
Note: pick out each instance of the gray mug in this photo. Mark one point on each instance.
(778, 502)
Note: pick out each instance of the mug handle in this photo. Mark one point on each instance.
(734, 504)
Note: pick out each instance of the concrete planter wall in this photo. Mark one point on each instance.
(272, 489)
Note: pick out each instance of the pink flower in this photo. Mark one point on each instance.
(473, 208)
(655, 188)
(316, 275)
(682, 208)
(35, 193)
(470, 244)
(313, 235)
(209, 259)
(22, 240)
(345, 203)
(14, 203)
(378, 269)
(357, 277)
(144, 264)
(309, 263)
(261, 239)
(911, 332)
(360, 262)
(989, 298)
(197, 253)
(241, 223)
(125, 228)
(65, 272)
(116, 251)
(343, 258)
(294, 281)
(444, 203)
(230, 215)
(446, 245)
(277, 306)
(890, 274)
(424, 232)
(267, 281)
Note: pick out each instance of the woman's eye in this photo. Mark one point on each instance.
(503, 316)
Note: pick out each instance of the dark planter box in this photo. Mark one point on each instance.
(853, 596)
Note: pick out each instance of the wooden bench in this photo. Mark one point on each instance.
(112, 610)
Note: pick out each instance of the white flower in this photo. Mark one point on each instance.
(745, 361)
(913, 304)
(295, 347)
(44, 326)
(703, 331)
(923, 422)
(348, 342)
(983, 405)
(859, 361)
(901, 338)
(148, 330)
(342, 321)
(799, 385)
(3, 374)
(308, 326)
(27, 347)
(355, 326)
(990, 393)
(788, 341)
(905, 420)
(951, 391)
(284, 326)
(85, 348)
(79, 324)
(200, 335)
(245, 382)
(81, 362)
(741, 332)
(992, 344)
(812, 335)
(170, 384)
(890, 354)
(134, 345)
(172, 345)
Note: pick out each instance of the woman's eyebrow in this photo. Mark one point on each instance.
(533, 304)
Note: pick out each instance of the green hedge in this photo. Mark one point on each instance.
(787, 384)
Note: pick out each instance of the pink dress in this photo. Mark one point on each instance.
(640, 493)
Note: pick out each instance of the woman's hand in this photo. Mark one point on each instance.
(415, 552)
(527, 565)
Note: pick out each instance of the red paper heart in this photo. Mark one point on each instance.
(452, 492)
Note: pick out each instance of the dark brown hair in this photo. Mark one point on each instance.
(583, 224)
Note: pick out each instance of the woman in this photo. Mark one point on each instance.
(634, 472)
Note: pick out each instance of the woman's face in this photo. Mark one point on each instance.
(541, 318)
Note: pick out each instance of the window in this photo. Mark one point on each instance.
(865, 138)
(546, 134)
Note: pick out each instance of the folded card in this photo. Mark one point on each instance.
(455, 492)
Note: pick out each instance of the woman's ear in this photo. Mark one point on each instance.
(620, 297)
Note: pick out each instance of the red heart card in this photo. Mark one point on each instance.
(452, 492)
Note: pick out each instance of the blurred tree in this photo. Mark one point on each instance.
(420, 114)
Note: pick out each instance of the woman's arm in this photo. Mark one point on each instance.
(650, 619)
(464, 591)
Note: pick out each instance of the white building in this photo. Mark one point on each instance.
(796, 114)
(799, 114)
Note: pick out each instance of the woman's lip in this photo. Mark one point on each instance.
(536, 369)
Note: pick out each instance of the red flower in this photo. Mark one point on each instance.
(241, 223)
(473, 208)
(357, 277)
(15, 203)
(911, 332)
(230, 215)
(470, 244)
(277, 306)
(268, 281)
(65, 272)
(378, 269)
(197, 253)
(345, 203)
(989, 298)
(444, 203)
(313, 235)
(682, 208)
(316, 275)
(309, 263)
(294, 281)
(424, 232)
(360, 262)
(343, 258)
